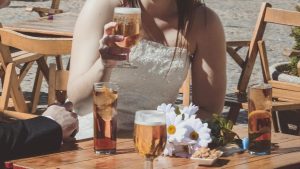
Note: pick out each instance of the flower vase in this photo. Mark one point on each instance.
(181, 150)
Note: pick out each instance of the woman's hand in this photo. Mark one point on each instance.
(108, 49)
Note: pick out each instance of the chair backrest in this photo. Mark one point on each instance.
(32, 45)
(44, 46)
(41, 46)
(58, 81)
(269, 15)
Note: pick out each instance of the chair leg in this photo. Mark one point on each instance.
(25, 70)
(275, 122)
(6, 89)
(59, 63)
(233, 113)
(2, 75)
(17, 94)
(36, 90)
(42, 63)
(68, 65)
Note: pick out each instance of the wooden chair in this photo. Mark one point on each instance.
(58, 81)
(41, 46)
(286, 96)
(54, 9)
(185, 90)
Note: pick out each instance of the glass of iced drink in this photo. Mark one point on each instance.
(259, 119)
(105, 96)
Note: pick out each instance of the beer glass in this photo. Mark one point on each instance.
(128, 25)
(105, 96)
(149, 135)
(259, 119)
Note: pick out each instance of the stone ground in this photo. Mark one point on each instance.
(238, 17)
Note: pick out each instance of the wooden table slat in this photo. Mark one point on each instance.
(67, 157)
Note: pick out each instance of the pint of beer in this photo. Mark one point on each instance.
(105, 98)
(150, 134)
(259, 119)
(128, 24)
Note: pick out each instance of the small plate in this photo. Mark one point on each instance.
(206, 161)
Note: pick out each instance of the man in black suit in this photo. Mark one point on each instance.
(37, 135)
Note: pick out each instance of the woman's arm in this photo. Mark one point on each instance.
(86, 64)
(209, 65)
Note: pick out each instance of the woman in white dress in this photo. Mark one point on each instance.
(188, 26)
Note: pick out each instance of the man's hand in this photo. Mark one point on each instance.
(66, 119)
(4, 3)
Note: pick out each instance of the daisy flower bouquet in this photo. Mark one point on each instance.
(186, 133)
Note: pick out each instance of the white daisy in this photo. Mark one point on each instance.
(197, 132)
(190, 110)
(175, 129)
(166, 108)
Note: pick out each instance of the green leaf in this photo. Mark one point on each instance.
(229, 125)
(221, 131)
(177, 111)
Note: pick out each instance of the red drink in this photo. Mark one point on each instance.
(259, 119)
(105, 120)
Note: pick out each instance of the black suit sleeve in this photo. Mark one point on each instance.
(29, 137)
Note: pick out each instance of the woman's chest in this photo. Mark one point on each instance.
(166, 32)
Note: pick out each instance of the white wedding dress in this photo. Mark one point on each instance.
(152, 83)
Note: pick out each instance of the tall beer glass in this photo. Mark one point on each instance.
(149, 135)
(128, 24)
(105, 98)
(259, 119)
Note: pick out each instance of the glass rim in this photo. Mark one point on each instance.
(100, 84)
(153, 123)
(127, 10)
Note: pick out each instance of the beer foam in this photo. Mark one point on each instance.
(150, 118)
(123, 10)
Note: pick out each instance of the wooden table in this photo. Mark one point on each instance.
(61, 25)
(82, 155)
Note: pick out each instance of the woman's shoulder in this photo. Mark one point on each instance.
(206, 28)
(205, 17)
